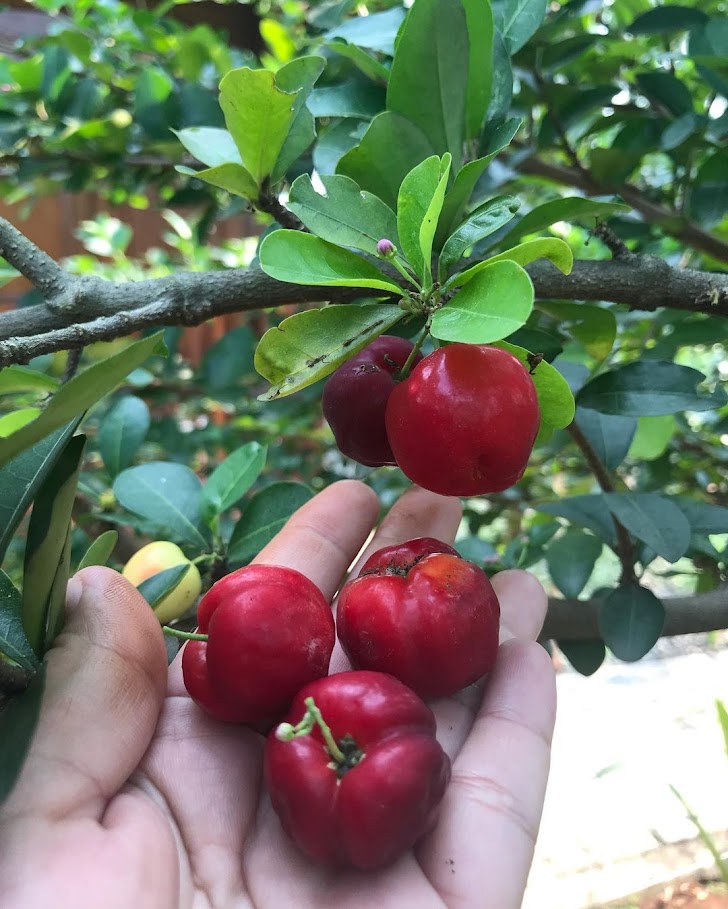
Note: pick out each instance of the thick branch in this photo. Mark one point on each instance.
(576, 620)
(35, 265)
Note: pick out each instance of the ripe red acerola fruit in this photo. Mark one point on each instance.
(355, 399)
(465, 420)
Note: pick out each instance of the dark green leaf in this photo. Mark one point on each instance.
(649, 388)
(631, 619)
(571, 209)
(502, 87)
(265, 515)
(47, 549)
(334, 142)
(571, 559)
(587, 511)
(156, 588)
(594, 326)
(354, 98)
(609, 435)
(517, 20)
(299, 77)
(231, 479)
(17, 727)
(484, 221)
(702, 517)
(364, 62)
(666, 89)
(709, 191)
(228, 360)
(585, 656)
(480, 71)
(654, 520)
(99, 552)
(13, 642)
(668, 18)
(376, 31)
(168, 495)
(122, 431)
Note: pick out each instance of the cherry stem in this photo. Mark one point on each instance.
(185, 635)
(404, 372)
(312, 717)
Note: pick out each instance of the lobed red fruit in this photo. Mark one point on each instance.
(270, 631)
(370, 809)
(422, 613)
(465, 420)
(355, 399)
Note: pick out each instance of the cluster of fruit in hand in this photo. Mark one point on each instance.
(354, 770)
(461, 421)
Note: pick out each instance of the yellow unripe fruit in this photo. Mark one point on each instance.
(156, 557)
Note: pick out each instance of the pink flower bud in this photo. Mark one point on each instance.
(386, 248)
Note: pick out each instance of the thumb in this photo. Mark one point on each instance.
(105, 683)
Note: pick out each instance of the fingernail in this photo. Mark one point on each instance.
(73, 593)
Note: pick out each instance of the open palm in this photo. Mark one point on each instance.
(131, 797)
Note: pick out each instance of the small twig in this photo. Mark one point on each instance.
(616, 245)
(270, 204)
(624, 548)
(73, 361)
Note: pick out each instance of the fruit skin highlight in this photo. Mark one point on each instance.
(423, 614)
(159, 556)
(355, 399)
(369, 809)
(465, 420)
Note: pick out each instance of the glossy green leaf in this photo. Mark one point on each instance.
(13, 641)
(592, 325)
(258, 115)
(80, 393)
(210, 145)
(122, 431)
(386, 153)
(610, 435)
(233, 178)
(11, 422)
(375, 31)
(571, 559)
(15, 379)
(299, 76)
(502, 87)
(47, 549)
(365, 62)
(586, 511)
(231, 479)
(652, 437)
(649, 388)
(352, 98)
(429, 80)
(99, 552)
(265, 515)
(517, 20)
(309, 345)
(484, 221)
(491, 306)
(631, 619)
(555, 400)
(585, 656)
(18, 722)
(334, 142)
(155, 588)
(418, 207)
(169, 496)
(299, 258)
(654, 520)
(22, 476)
(702, 517)
(571, 209)
(343, 214)
(479, 19)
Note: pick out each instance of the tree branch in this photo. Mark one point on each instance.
(83, 310)
(578, 621)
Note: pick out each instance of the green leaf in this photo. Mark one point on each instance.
(587, 511)
(709, 190)
(290, 255)
(592, 325)
(654, 520)
(366, 63)
(15, 379)
(571, 559)
(17, 727)
(664, 19)
(210, 145)
(502, 87)
(80, 393)
(231, 479)
(484, 221)
(155, 588)
(99, 552)
(609, 435)
(169, 496)
(555, 400)
(703, 518)
(299, 76)
(667, 90)
(496, 302)
(649, 388)
(344, 215)
(258, 115)
(334, 142)
(10, 423)
(479, 18)
(429, 80)
(376, 31)
(585, 656)
(22, 476)
(723, 720)
(631, 619)
(233, 178)
(571, 209)
(47, 549)
(13, 642)
(265, 515)
(652, 437)
(309, 345)
(122, 431)
(517, 20)
(228, 360)
(352, 98)
(387, 152)
(418, 207)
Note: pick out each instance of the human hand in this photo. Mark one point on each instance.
(132, 797)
